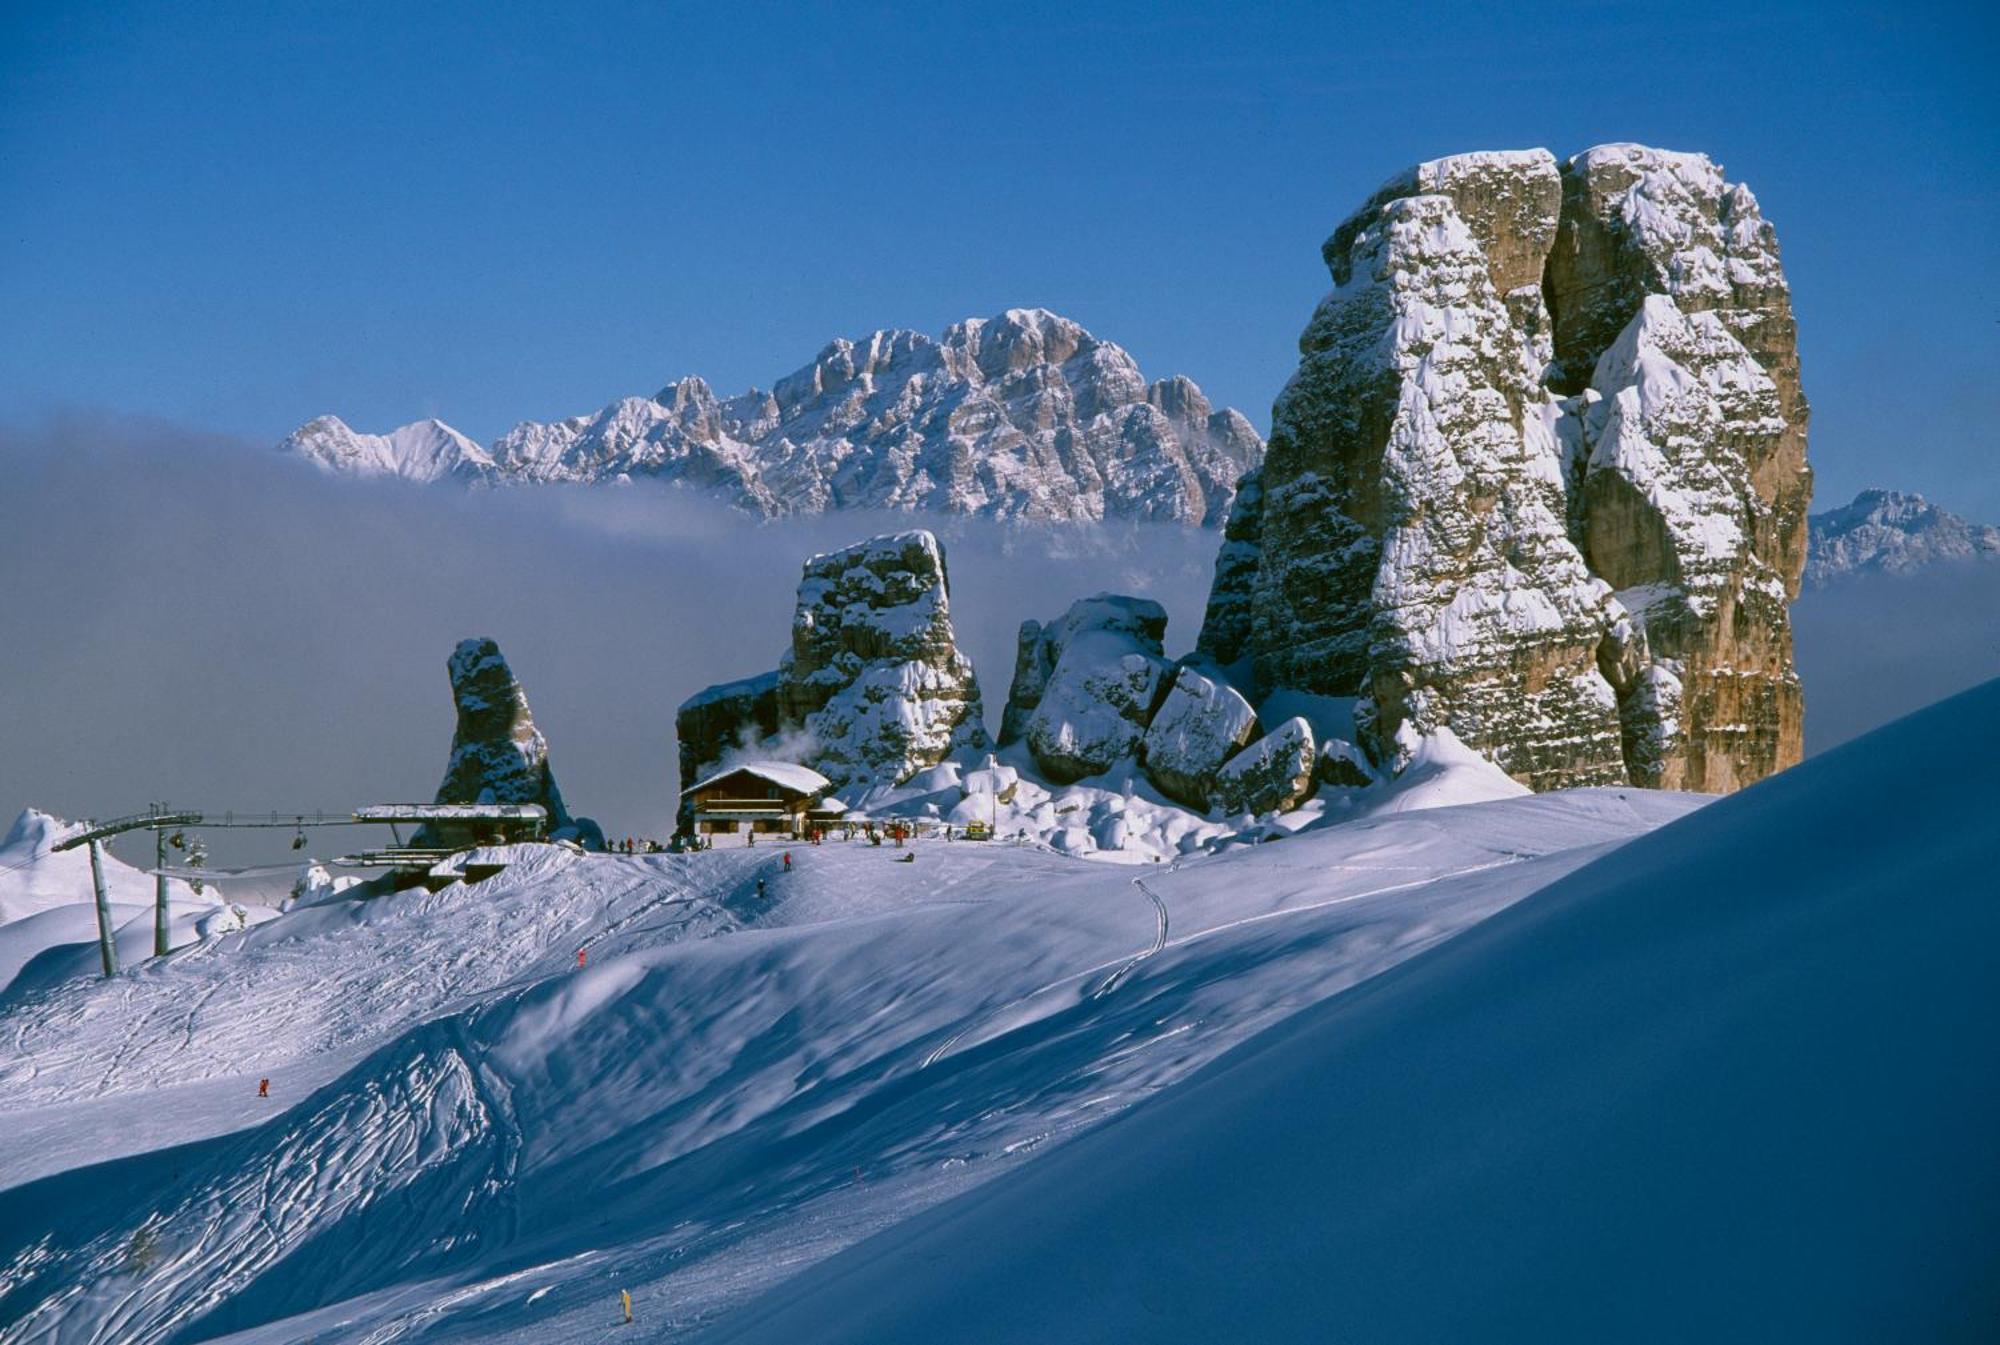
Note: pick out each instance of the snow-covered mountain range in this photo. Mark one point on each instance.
(1021, 416)
(1892, 532)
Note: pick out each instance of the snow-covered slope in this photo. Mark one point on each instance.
(1731, 1082)
(1024, 415)
(470, 1137)
(1892, 532)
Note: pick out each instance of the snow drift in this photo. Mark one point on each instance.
(1729, 1082)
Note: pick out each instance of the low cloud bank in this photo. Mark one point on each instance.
(1874, 648)
(192, 618)
(196, 619)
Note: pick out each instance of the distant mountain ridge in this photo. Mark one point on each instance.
(1892, 532)
(1025, 415)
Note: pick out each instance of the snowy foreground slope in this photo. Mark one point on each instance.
(470, 1138)
(1735, 1081)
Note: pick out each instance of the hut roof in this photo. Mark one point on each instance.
(784, 774)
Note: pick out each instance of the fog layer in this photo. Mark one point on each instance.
(194, 619)
(199, 620)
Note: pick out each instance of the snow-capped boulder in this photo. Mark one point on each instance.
(1200, 725)
(497, 753)
(1542, 462)
(1273, 774)
(1343, 765)
(1086, 685)
(1892, 532)
(1024, 415)
(315, 884)
(873, 689)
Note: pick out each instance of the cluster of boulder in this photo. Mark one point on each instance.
(1539, 477)
(1093, 690)
(873, 688)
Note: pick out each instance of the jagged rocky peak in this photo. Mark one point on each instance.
(1892, 532)
(426, 451)
(873, 688)
(497, 753)
(1539, 476)
(1025, 415)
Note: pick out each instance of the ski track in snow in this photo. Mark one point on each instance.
(1117, 978)
(471, 1138)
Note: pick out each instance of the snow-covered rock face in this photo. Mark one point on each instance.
(1273, 774)
(1539, 476)
(425, 452)
(1669, 298)
(1086, 685)
(1023, 416)
(1892, 532)
(1200, 725)
(497, 753)
(727, 721)
(873, 689)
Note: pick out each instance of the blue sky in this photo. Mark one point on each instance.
(236, 217)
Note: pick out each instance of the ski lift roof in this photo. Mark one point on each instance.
(452, 812)
(784, 774)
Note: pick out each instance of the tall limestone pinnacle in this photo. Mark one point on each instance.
(497, 753)
(1540, 475)
(873, 687)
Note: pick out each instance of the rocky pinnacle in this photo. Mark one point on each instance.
(1540, 476)
(497, 753)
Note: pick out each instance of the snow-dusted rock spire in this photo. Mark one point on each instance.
(1540, 476)
(497, 753)
(873, 688)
